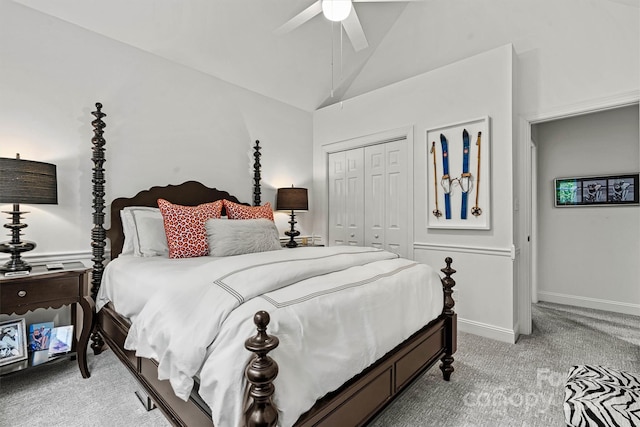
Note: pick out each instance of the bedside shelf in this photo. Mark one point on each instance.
(43, 288)
(28, 363)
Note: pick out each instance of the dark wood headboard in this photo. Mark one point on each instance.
(190, 193)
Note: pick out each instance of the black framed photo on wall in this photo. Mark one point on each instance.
(611, 190)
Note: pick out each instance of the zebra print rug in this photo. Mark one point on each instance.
(600, 396)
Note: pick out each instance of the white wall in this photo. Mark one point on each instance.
(165, 124)
(448, 95)
(570, 56)
(568, 51)
(588, 256)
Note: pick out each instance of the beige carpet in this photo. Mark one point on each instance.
(499, 384)
(55, 394)
(494, 384)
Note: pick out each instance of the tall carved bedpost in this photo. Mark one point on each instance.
(98, 233)
(256, 174)
(451, 320)
(260, 373)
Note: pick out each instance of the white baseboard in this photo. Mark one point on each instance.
(487, 331)
(586, 302)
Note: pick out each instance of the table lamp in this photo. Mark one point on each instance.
(292, 199)
(23, 181)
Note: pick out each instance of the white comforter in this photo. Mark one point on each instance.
(335, 310)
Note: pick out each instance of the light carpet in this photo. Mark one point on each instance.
(494, 383)
(500, 384)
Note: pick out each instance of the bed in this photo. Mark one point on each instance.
(285, 317)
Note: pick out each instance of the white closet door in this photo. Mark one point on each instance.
(346, 198)
(337, 199)
(374, 199)
(396, 198)
(368, 197)
(355, 197)
(386, 197)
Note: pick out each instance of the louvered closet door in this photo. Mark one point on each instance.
(346, 198)
(386, 197)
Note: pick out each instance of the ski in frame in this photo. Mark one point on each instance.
(458, 178)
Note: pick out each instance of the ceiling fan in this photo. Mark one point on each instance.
(337, 11)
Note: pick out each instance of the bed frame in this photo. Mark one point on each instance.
(353, 404)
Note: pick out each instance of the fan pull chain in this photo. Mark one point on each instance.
(341, 49)
(332, 31)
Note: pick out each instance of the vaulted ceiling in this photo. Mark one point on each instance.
(315, 64)
(235, 40)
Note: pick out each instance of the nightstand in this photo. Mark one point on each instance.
(44, 288)
(304, 241)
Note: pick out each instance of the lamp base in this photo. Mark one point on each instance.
(293, 233)
(16, 263)
(292, 243)
(15, 247)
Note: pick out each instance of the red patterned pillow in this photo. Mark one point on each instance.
(238, 211)
(185, 227)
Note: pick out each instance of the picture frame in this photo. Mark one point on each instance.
(39, 336)
(607, 190)
(61, 340)
(13, 341)
(477, 161)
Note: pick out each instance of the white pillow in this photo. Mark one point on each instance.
(144, 227)
(129, 230)
(241, 236)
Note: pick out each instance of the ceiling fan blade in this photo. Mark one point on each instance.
(301, 18)
(385, 1)
(354, 31)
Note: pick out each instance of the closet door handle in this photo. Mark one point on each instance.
(375, 236)
(352, 235)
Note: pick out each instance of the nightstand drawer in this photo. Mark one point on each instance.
(27, 292)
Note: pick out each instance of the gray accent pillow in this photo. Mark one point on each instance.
(241, 236)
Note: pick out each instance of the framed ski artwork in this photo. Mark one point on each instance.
(458, 175)
(611, 190)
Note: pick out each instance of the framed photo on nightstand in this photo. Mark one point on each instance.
(13, 341)
(61, 340)
(39, 336)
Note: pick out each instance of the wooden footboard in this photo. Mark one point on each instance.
(361, 398)
(364, 396)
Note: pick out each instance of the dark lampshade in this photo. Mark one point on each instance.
(292, 199)
(25, 181)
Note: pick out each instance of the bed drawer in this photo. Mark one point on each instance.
(418, 357)
(367, 401)
(116, 332)
(192, 414)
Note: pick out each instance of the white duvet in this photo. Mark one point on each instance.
(335, 311)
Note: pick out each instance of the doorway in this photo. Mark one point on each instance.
(536, 197)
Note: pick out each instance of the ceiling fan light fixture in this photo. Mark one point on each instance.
(336, 10)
